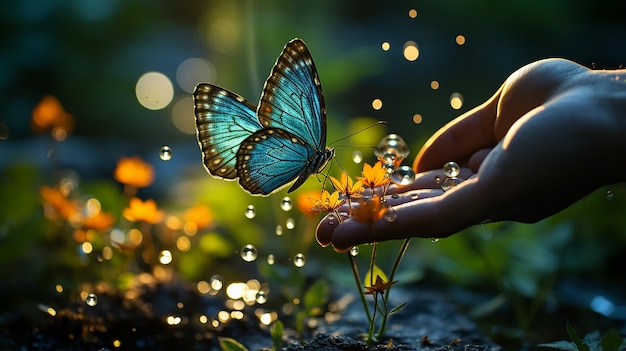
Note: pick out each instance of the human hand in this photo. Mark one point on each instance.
(545, 139)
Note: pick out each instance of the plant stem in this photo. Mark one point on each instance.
(359, 286)
(394, 268)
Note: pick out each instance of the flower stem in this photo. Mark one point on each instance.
(394, 268)
(359, 286)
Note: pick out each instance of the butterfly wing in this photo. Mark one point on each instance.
(292, 97)
(271, 158)
(223, 121)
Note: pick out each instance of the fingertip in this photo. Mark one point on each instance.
(324, 231)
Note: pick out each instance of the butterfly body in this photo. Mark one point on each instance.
(269, 146)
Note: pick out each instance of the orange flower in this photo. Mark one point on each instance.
(303, 202)
(347, 187)
(369, 210)
(48, 114)
(200, 215)
(374, 176)
(99, 221)
(138, 210)
(379, 286)
(60, 204)
(134, 172)
(326, 201)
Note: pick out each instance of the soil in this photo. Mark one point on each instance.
(428, 322)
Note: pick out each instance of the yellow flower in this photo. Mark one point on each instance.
(138, 210)
(369, 210)
(303, 202)
(134, 172)
(374, 176)
(347, 187)
(49, 115)
(326, 201)
(58, 202)
(200, 215)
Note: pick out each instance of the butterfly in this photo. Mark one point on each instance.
(266, 147)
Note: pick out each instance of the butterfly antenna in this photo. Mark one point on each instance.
(377, 123)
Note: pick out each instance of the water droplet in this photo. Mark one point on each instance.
(271, 259)
(91, 300)
(279, 230)
(437, 179)
(610, 195)
(415, 195)
(290, 223)
(389, 157)
(354, 251)
(286, 204)
(390, 215)
(331, 219)
(389, 168)
(434, 240)
(299, 260)
(392, 142)
(250, 212)
(403, 175)
(261, 297)
(357, 156)
(165, 153)
(248, 253)
(450, 183)
(395, 196)
(451, 169)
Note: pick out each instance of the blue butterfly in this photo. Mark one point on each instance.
(269, 146)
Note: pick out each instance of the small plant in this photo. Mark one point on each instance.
(610, 341)
(365, 200)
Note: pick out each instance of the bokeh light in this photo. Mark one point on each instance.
(434, 85)
(193, 71)
(181, 115)
(411, 51)
(377, 104)
(460, 39)
(154, 90)
(456, 101)
(385, 46)
(417, 118)
(412, 13)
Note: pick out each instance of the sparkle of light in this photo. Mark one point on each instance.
(165, 257)
(417, 118)
(434, 85)
(411, 51)
(412, 13)
(377, 104)
(456, 101)
(86, 247)
(460, 39)
(385, 46)
(154, 90)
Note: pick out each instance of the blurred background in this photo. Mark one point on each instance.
(84, 84)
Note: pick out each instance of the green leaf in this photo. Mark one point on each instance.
(276, 331)
(612, 341)
(398, 308)
(575, 338)
(316, 296)
(229, 344)
(561, 345)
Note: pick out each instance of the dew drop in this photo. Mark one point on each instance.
(279, 230)
(395, 196)
(437, 179)
(390, 215)
(286, 204)
(250, 212)
(331, 219)
(91, 300)
(403, 175)
(248, 253)
(389, 168)
(354, 251)
(165, 153)
(392, 142)
(610, 195)
(389, 157)
(451, 169)
(357, 156)
(299, 260)
(271, 259)
(261, 297)
(450, 183)
(434, 240)
(290, 223)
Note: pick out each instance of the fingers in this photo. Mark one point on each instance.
(430, 217)
(458, 140)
